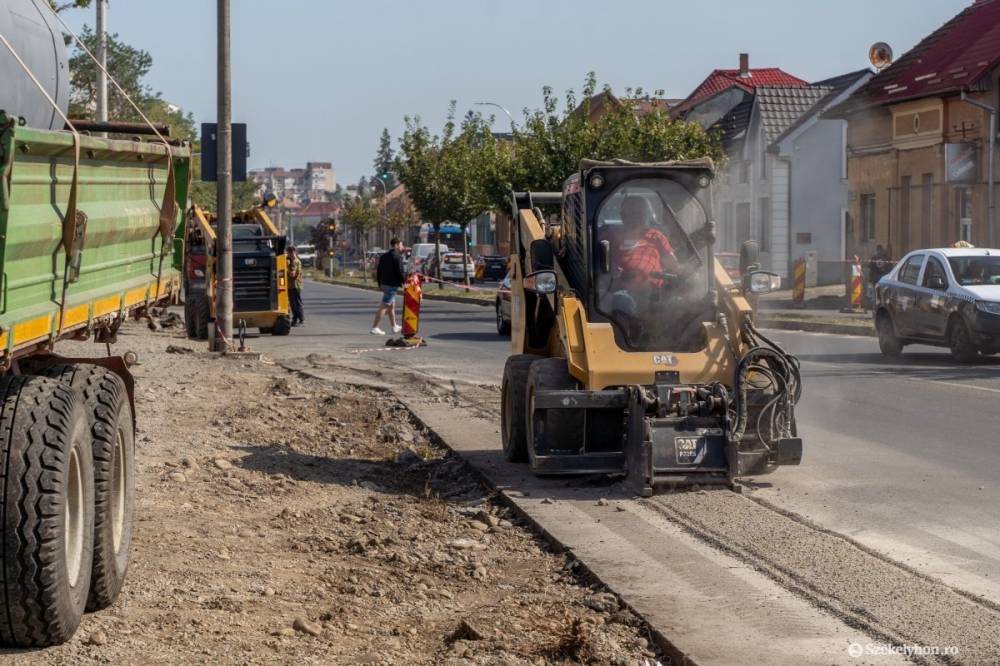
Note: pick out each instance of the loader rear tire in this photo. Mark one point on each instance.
(552, 431)
(109, 418)
(513, 399)
(47, 508)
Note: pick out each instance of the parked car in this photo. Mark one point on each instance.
(419, 254)
(503, 306)
(491, 267)
(307, 255)
(452, 266)
(943, 297)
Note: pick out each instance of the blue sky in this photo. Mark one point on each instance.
(319, 79)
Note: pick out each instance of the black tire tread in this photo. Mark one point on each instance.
(515, 375)
(39, 421)
(105, 397)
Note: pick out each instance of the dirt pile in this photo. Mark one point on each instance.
(291, 520)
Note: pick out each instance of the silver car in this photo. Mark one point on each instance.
(946, 297)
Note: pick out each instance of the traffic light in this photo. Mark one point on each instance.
(331, 226)
(384, 175)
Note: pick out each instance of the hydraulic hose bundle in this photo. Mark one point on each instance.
(768, 369)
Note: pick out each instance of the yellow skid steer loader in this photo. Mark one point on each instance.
(632, 349)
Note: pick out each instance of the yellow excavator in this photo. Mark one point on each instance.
(632, 349)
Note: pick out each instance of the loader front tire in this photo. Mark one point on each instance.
(513, 396)
(109, 418)
(47, 502)
(197, 309)
(552, 431)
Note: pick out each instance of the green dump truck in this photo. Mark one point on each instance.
(88, 228)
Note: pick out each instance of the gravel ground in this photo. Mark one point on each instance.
(287, 520)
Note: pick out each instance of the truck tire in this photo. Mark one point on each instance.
(513, 398)
(282, 326)
(110, 421)
(47, 504)
(552, 431)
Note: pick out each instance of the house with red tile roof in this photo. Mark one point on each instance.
(917, 149)
(724, 89)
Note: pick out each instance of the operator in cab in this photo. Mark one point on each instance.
(642, 255)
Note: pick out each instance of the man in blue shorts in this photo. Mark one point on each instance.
(390, 276)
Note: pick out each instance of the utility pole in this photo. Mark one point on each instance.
(102, 58)
(224, 260)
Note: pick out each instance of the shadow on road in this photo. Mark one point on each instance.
(469, 336)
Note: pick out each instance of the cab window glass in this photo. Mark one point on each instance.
(656, 288)
(934, 275)
(976, 270)
(911, 269)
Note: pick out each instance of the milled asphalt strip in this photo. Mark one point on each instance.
(867, 591)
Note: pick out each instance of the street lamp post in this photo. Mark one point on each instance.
(513, 129)
(991, 186)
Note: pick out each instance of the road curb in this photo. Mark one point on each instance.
(815, 326)
(426, 294)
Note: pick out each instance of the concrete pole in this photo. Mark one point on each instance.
(102, 57)
(224, 134)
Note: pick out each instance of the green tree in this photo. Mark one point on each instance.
(446, 175)
(73, 4)
(384, 160)
(129, 67)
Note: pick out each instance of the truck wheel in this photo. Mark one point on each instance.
(513, 396)
(109, 417)
(888, 343)
(963, 349)
(552, 431)
(283, 326)
(47, 497)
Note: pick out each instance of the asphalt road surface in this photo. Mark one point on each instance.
(900, 456)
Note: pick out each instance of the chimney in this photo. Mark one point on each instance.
(745, 65)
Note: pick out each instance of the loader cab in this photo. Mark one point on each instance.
(638, 243)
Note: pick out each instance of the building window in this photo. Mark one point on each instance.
(804, 239)
(764, 218)
(868, 217)
(744, 173)
(763, 166)
(904, 215)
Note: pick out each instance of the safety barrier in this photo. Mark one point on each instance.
(799, 283)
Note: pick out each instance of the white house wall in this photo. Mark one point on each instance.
(779, 215)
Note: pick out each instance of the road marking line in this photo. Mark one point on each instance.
(958, 384)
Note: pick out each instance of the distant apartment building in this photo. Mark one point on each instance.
(316, 182)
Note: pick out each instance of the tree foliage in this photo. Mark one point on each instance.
(71, 4)
(466, 170)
